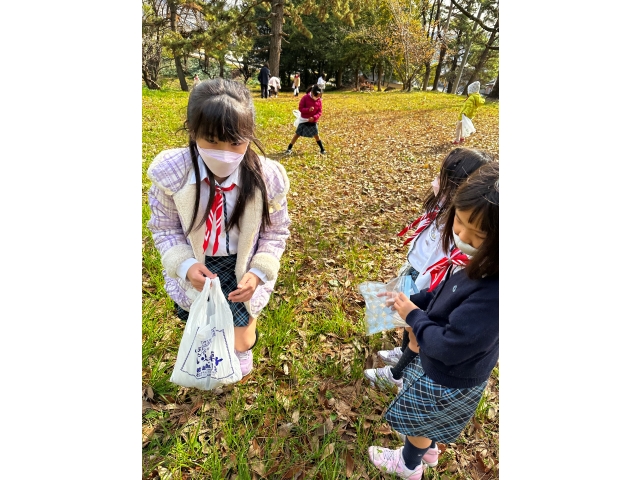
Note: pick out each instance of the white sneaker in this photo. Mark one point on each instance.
(382, 377)
(390, 357)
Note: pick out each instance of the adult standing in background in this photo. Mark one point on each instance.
(263, 78)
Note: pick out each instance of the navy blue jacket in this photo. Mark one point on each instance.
(457, 330)
(263, 76)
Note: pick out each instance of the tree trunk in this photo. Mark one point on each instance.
(339, 77)
(151, 84)
(379, 76)
(494, 90)
(466, 54)
(173, 13)
(454, 66)
(443, 50)
(221, 63)
(483, 58)
(277, 20)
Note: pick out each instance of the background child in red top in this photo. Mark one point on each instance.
(310, 107)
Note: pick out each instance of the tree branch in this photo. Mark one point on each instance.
(474, 18)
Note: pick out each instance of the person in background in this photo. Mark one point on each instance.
(321, 83)
(296, 84)
(310, 107)
(263, 78)
(274, 86)
(464, 125)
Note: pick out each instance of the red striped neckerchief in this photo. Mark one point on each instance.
(216, 210)
(439, 269)
(427, 218)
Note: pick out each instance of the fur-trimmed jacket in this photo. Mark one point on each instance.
(172, 198)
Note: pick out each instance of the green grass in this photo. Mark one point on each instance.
(346, 209)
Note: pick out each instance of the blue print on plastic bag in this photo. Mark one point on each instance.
(207, 360)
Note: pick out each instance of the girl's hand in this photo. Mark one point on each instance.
(403, 305)
(311, 109)
(245, 289)
(197, 274)
(390, 298)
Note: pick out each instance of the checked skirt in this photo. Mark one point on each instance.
(425, 409)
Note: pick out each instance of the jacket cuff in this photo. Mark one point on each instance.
(267, 264)
(174, 257)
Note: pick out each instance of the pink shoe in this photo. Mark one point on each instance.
(391, 461)
(246, 361)
(431, 457)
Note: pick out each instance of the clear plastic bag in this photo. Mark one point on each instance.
(467, 126)
(377, 316)
(206, 358)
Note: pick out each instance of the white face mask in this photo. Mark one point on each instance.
(464, 247)
(436, 185)
(221, 162)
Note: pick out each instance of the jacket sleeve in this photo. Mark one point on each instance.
(422, 299)
(272, 241)
(467, 108)
(167, 232)
(472, 329)
(303, 107)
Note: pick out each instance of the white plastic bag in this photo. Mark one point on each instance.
(467, 126)
(377, 316)
(206, 358)
(299, 119)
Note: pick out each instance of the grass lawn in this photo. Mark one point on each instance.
(305, 411)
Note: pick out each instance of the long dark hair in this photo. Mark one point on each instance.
(223, 110)
(456, 168)
(480, 196)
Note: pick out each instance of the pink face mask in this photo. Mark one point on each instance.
(436, 185)
(221, 162)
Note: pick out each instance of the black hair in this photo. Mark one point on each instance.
(456, 168)
(221, 109)
(480, 196)
(315, 89)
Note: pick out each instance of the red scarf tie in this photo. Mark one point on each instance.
(428, 218)
(216, 210)
(439, 269)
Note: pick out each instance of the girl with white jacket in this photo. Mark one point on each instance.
(217, 208)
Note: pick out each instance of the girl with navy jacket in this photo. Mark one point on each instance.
(456, 327)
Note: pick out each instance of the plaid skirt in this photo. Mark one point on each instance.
(225, 268)
(425, 409)
(307, 129)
